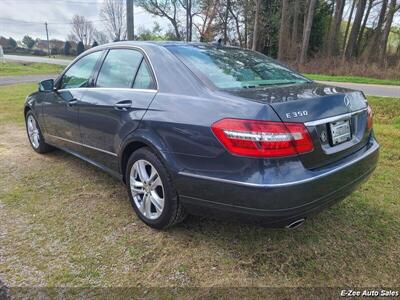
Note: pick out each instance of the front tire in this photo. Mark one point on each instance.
(35, 134)
(151, 191)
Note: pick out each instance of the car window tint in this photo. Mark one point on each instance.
(119, 68)
(227, 67)
(143, 79)
(78, 75)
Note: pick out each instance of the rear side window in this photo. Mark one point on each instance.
(119, 68)
(78, 75)
(228, 68)
(144, 79)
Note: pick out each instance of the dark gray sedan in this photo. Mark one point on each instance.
(201, 128)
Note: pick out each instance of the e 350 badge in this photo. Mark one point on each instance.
(296, 114)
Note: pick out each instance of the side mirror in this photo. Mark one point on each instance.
(46, 85)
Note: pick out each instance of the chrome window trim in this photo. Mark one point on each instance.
(110, 89)
(333, 119)
(84, 145)
(369, 152)
(144, 54)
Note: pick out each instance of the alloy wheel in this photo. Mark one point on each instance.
(147, 189)
(33, 132)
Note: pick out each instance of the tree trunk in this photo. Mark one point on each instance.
(283, 31)
(364, 24)
(335, 28)
(246, 38)
(228, 4)
(369, 50)
(295, 29)
(385, 33)
(255, 30)
(355, 29)
(307, 31)
(348, 24)
(236, 17)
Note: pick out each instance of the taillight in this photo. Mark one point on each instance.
(262, 138)
(369, 123)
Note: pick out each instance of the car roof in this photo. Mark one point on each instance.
(157, 43)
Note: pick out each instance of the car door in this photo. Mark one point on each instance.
(114, 107)
(60, 108)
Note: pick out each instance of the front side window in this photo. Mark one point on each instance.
(119, 68)
(233, 67)
(144, 79)
(79, 74)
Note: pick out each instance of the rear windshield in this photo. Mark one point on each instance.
(229, 68)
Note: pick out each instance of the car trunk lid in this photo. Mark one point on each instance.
(335, 117)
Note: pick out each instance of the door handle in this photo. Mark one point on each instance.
(72, 102)
(123, 105)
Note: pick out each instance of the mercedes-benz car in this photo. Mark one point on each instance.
(196, 128)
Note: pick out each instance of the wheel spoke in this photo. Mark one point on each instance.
(141, 167)
(141, 205)
(155, 182)
(137, 186)
(157, 201)
(147, 205)
(36, 140)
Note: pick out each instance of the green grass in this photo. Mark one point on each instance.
(27, 68)
(66, 223)
(353, 79)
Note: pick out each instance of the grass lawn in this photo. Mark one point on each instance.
(28, 68)
(353, 79)
(66, 223)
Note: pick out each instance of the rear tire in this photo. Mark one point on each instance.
(35, 135)
(151, 191)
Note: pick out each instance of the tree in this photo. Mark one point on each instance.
(95, 44)
(187, 5)
(284, 30)
(236, 9)
(165, 9)
(353, 5)
(368, 54)
(82, 30)
(355, 29)
(295, 29)
(386, 30)
(364, 24)
(12, 43)
(226, 20)
(67, 48)
(307, 30)
(335, 27)
(80, 48)
(207, 14)
(113, 11)
(28, 41)
(256, 21)
(100, 37)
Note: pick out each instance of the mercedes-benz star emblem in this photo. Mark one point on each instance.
(347, 102)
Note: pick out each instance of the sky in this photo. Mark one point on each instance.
(21, 17)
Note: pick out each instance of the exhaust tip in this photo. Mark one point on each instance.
(295, 224)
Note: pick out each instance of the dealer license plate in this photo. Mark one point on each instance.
(340, 131)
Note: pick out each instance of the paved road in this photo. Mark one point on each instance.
(369, 89)
(6, 80)
(39, 59)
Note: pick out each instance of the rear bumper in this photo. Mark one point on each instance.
(278, 202)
